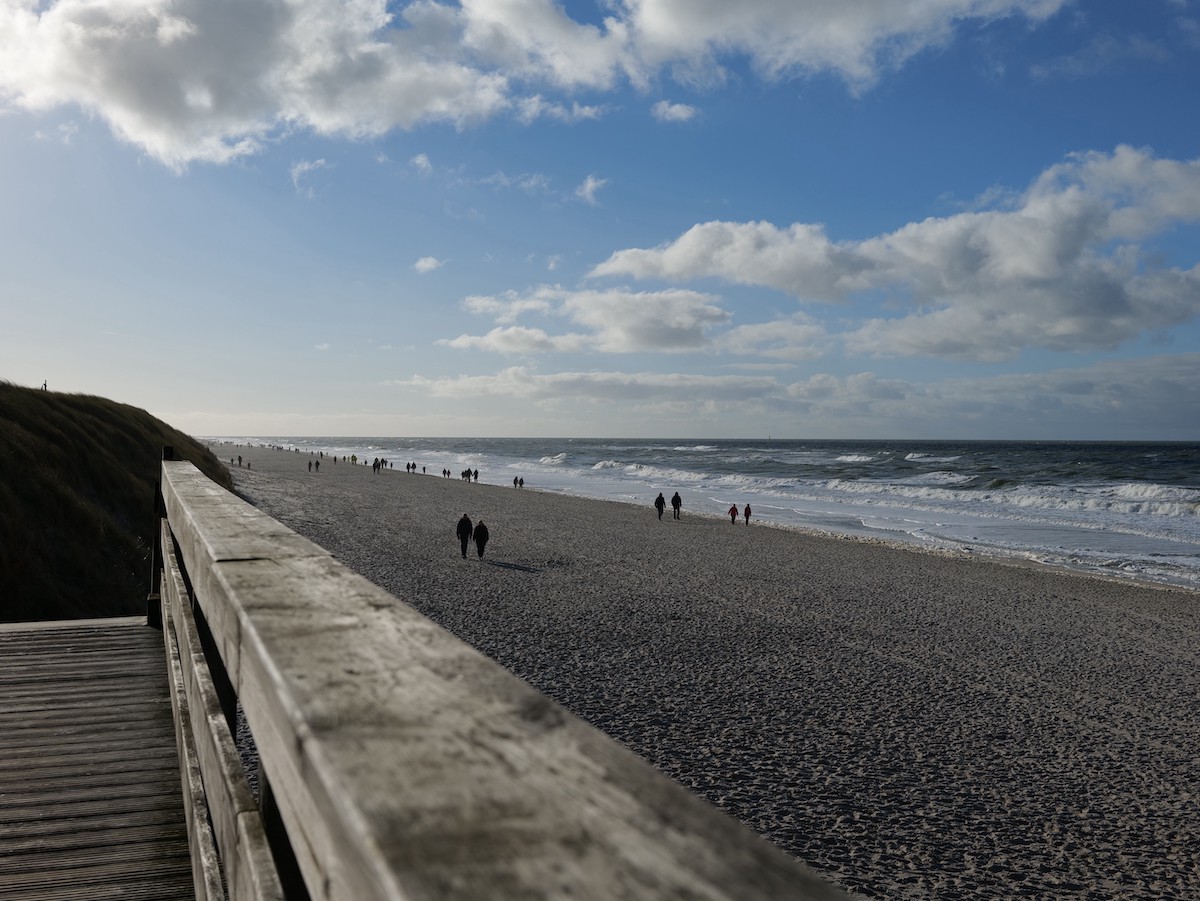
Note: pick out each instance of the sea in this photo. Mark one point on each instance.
(1127, 509)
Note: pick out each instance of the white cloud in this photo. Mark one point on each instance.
(511, 306)
(664, 111)
(421, 163)
(529, 109)
(520, 382)
(191, 80)
(588, 188)
(323, 347)
(517, 340)
(781, 37)
(428, 264)
(64, 133)
(616, 321)
(301, 170)
(1060, 268)
(795, 338)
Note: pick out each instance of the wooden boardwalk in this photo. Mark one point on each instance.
(90, 799)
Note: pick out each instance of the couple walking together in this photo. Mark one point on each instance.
(660, 504)
(466, 531)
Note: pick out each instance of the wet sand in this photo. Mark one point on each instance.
(911, 725)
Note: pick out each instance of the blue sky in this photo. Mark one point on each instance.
(675, 218)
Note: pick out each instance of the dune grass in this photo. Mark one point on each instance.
(77, 481)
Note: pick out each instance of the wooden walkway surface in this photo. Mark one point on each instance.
(90, 800)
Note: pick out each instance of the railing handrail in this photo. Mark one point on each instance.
(406, 764)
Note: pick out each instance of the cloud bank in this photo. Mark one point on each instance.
(1139, 393)
(192, 80)
(1060, 267)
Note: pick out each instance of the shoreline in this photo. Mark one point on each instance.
(1102, 566)
(908, 723)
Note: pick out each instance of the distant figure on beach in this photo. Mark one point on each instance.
(310, 465)
(44, 386)
(676, 503)
(476, 475)
(521, 482)
(318, 465)
(464, 531)
(733, 514)
(239, 459)
(514, 481)
(481, 537)
(747, 514)
(660, 504)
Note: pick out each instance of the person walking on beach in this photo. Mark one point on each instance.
(676, 503)
(733, 514)
(481, 537)
(660, 504)
(464, 531)
(747, 514)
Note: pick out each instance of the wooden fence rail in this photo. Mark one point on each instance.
(396, 761)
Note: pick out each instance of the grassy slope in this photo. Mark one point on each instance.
(77, 482)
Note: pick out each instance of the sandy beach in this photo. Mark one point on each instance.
(910, 725)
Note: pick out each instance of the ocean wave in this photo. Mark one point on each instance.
(696, 447)
(930, 458)
(940, 477)
(856, 458)
(556, 460)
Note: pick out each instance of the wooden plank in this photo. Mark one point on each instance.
(202, 848)
(236, 823)
(88, 773)
(406, 764)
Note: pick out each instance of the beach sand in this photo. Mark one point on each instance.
(911, 725)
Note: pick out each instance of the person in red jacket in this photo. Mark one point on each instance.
(746, 512)
(733, 514)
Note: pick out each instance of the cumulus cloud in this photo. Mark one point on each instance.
(615, 321)
(428, 264)
(189, 80)
(1061, 267)
(798, 337)
(665, 111)
(517, 340)
(421, 163)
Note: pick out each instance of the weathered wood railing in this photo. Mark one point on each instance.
(396, 761)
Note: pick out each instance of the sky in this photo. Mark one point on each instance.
(623, 218)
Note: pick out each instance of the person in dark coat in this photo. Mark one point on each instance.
(733, 513)
(747, 514)
(481, 537)
(676, 503)
(464, 531)
(660, 504)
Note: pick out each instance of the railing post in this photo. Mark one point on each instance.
(153, 599)
(286, 865)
